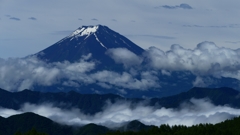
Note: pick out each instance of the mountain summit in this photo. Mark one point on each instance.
(94, 40)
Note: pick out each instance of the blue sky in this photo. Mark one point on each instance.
(27, 26)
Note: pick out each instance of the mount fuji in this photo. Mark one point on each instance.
(91, 43)
(94, 40)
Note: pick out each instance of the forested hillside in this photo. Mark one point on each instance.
(228, 127)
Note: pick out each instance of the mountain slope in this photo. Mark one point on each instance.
(94, 40)
(218, 96)
(27, 121)
(92, 129)
(134, 125)
(87, 103)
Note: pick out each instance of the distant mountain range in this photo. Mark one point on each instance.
(94, 103)
(29, 121)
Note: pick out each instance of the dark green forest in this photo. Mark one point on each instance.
(31, 132)
(228, 127)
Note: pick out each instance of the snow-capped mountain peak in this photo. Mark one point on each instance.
(84, 31)
(95, 40)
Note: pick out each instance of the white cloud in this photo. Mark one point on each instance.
(18, 74)
(126, 80)
(124, 56)
(206, 59)
(195, 112)
(199, 82)
(8, 112)
(164, 72)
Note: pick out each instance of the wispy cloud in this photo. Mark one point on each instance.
(32, 18)
(214, 26)
(198, 26)
(15, 18)
(113, 115)
(182, 6)
(94, 19)
(153, 36)
(64, 33)
(233, 42)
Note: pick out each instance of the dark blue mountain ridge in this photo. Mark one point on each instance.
(94, 103)
(85, 40)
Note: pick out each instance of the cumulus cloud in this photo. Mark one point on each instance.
(124, 56)
(18, 74)
(206, 59)
(195, 112)
(126, 80)
(205, 62)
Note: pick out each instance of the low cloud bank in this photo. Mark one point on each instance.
(18, 74)
(205, 60)
(195, 112)
(140, 72)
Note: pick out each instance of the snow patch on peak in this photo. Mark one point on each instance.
(78, 31)
(89, 30)
(84, 31)
(100, 41)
